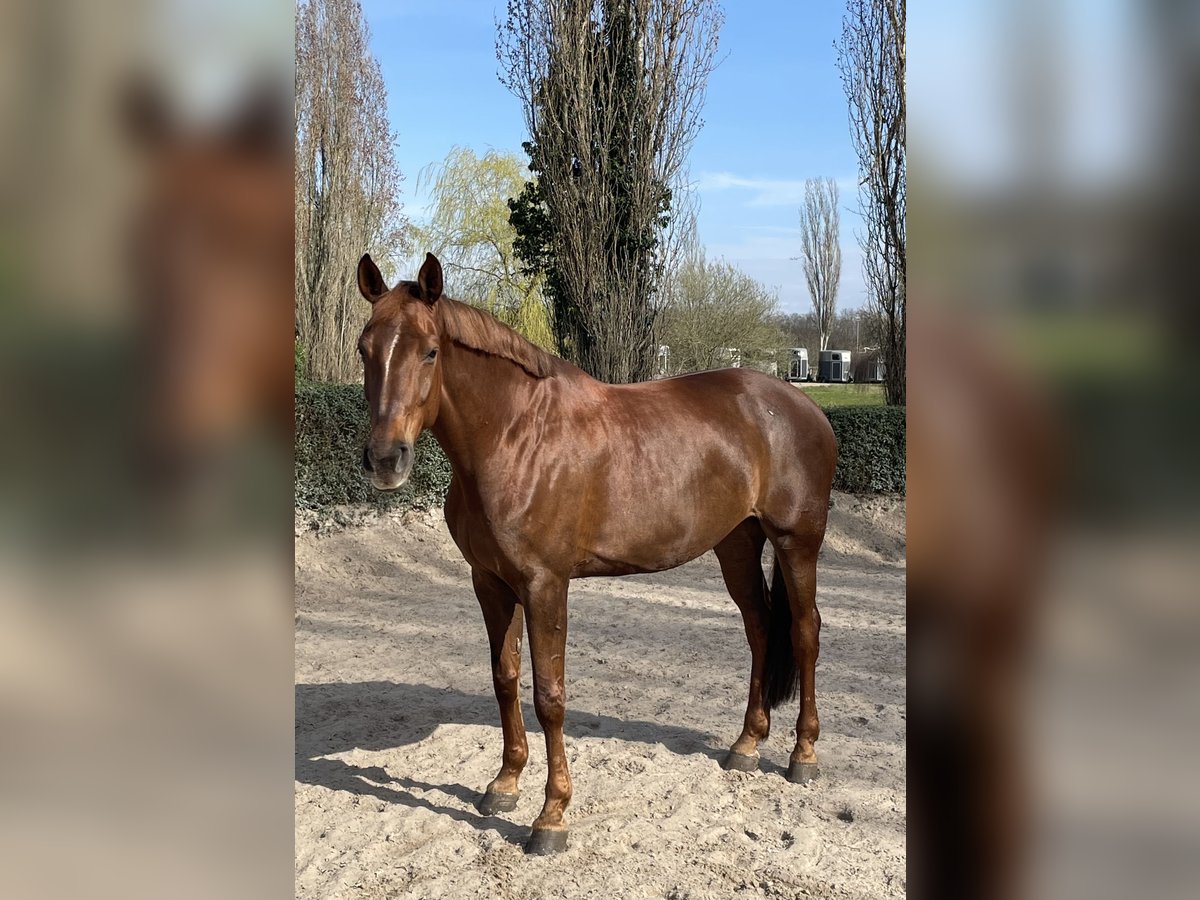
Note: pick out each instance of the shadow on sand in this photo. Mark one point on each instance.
(383, 715)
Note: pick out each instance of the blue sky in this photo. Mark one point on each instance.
(775, 115)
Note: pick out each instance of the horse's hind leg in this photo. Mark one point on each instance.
(796, 558)
(503, 617)
(740, 556)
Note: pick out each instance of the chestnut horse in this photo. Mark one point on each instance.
(559, 476)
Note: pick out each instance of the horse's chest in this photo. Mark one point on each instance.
(487, 534)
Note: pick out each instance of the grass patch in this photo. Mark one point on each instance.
(827, 395)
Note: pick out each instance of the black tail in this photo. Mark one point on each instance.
(781, 672)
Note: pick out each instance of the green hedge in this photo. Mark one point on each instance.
(331, 429)
(871, 444)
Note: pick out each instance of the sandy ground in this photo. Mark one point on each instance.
(397, 731)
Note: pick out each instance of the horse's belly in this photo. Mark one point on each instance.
(650, 546)
(594, 566)
(657, 518)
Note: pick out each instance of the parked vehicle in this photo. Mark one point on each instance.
(868, 367)
(798, 365)
(834, 366)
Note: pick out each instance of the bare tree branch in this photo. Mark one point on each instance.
(347, 184)
(711, 306)
(821, 252)
(612, 92)
(871, 59)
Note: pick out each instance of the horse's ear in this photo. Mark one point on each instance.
(370, 281)
(430, 279)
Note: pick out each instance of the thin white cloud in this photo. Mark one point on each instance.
(765, 191)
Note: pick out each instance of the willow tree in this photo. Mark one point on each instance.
(347, 183)
(470, 231)
(612, 92)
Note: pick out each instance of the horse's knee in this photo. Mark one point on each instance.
(506, 678)
(550, 700)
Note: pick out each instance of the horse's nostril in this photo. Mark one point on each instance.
(402, 455)
(387, 458)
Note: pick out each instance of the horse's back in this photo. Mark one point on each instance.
(732, 438)
(752, 406)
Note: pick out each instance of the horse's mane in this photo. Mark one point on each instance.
(478, 330)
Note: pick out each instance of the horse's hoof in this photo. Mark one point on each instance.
(493, 802)
(546, 840)
(802, 772)
(740, 762)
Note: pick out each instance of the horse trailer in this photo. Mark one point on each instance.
(834, 365)
(868, 368)
(798, 365)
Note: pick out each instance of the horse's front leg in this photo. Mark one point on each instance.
(502, 615)
(545, 599)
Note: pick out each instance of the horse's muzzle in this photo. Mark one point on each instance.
(388, 467)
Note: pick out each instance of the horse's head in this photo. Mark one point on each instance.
(402, 368)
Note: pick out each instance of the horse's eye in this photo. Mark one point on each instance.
(431, 355)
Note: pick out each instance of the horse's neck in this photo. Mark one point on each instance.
(481, 395)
